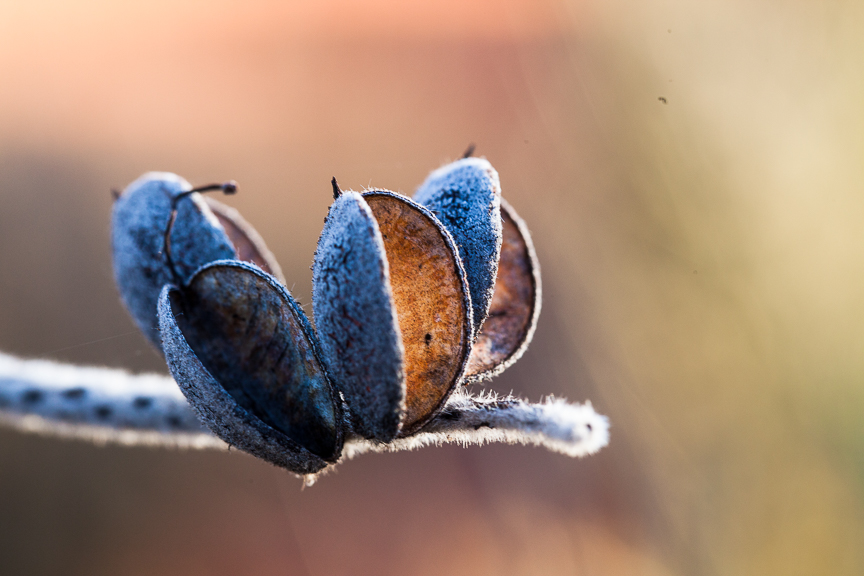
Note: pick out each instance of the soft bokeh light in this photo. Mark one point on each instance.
(691, 172)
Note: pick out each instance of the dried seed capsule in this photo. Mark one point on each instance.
(247, 360)
(466, 196)
(432, 301)
(139, 220)
(515, 303)
(392, 310)
(248, 244)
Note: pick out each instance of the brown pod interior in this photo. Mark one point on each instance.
(430, 297)
(247, 242)
(515, 303)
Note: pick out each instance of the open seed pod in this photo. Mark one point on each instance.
(139, 220)
(515, 305)
(466, 197)
(248, 244)
(248, 362)
(392, 311)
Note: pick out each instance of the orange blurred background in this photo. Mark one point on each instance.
(703, 265)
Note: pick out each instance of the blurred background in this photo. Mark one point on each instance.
(692, 174)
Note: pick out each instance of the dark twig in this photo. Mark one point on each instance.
(229, 187)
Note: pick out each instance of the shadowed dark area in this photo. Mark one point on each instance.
(252, 340)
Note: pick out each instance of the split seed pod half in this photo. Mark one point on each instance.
(392, 310)
(248, 362)
(515, 306)
(466, 196)
(203, 231)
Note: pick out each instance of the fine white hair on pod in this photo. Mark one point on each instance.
(466, 196)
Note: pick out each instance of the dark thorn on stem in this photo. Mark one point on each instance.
(469, 151)
(115, 194)
(229, 187)
(337, 192)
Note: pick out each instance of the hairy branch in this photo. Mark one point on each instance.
(571, 429)
(108, 405)
(98, 404)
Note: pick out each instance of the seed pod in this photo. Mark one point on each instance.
(515, 303)
(248, 361)
(248, 244)
(139, 220)
(466, 196)
(392, 310)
